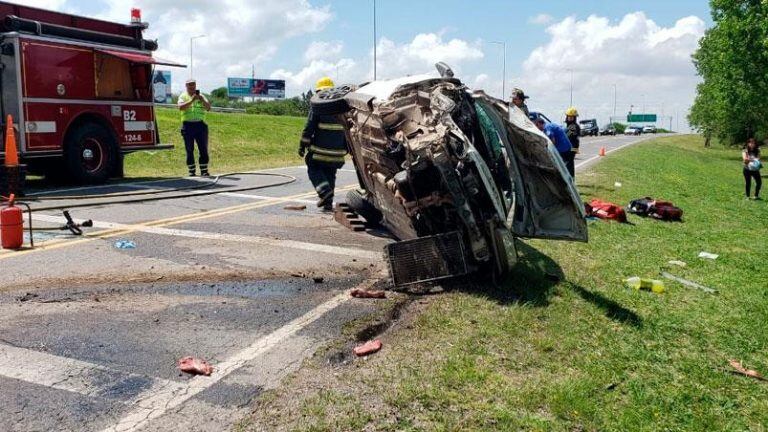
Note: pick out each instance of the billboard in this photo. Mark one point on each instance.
(161, 87)
(253, 87)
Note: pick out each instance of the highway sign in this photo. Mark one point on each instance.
(641, 118)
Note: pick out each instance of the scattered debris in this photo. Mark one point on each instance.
(707, 255)
(688, 283)
(368, 294)
(195, 366)
(299, 275)
(295, 207)
(367, 348)
(125, 244)
(678, 263)
(645, 284)
(318, 279)
(740, 369)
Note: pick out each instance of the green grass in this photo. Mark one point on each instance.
(237, 142)
(586, 353)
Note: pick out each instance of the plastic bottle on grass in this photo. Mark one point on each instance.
(645, 284)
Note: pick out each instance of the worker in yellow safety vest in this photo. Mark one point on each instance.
(193, 106)
(323, 147)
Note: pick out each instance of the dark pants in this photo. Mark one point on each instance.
(568, 158)
(323, 178)
(196, 132)
(748, 176)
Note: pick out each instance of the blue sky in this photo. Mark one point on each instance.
(642, 47)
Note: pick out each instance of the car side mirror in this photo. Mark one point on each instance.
(444, 70)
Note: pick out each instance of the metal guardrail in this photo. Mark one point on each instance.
(213, 108)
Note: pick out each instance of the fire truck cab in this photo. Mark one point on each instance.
(79, 91)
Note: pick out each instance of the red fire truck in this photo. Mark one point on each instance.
(79, 91)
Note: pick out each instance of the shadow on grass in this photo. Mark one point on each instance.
(611, 309)
(533, 282)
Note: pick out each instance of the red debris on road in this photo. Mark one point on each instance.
(368, 294)
(295, 207)
(195, 366)
(367, 348)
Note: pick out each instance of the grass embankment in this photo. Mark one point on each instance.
(584, 353)
(237, 142)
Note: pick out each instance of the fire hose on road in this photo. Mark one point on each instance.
(203, 189)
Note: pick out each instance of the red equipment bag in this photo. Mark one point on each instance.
(606, 210)
(665, 210)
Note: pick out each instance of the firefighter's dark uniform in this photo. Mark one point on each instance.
(325, 146)
(573, 131)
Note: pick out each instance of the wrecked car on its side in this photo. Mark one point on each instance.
(454, 175)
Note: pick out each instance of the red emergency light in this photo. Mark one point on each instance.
(135, 16)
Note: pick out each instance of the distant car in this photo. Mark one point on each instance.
(633, 130)
(608, 130)
(649, 129)
(589, 127)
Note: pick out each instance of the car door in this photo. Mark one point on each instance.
(546, 203)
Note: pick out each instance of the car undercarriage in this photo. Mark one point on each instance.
(454, 175)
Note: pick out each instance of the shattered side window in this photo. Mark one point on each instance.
(500, 166)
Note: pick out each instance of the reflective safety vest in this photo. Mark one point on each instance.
(195, 112)
(324, 140)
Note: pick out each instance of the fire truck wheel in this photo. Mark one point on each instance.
(91, 154)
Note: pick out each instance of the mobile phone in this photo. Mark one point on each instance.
(197, 92)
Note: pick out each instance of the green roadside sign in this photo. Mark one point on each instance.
(641, 118)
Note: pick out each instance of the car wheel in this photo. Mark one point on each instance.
(331, 101)
(363, 206)
(91, 154)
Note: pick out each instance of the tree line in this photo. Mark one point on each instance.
(732, 101)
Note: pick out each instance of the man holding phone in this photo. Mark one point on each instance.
(193, 106)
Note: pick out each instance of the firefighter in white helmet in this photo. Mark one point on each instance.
(323, 146)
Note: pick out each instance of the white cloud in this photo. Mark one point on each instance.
(650, 65)
(45, 4)
(421, 54)
(541, 19)
(240, 33)
(298, 82)
(394, 60)
(319, 50)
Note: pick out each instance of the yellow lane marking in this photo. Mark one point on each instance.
(115, 232)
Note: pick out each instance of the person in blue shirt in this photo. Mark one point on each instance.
(559, 138)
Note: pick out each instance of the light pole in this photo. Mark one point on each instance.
(571, 71)
(504, 70)
(614, 100)
(191, 56)
(375, 37)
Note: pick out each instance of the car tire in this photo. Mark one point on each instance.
(91, 154)
(331, 101)
(363, 205)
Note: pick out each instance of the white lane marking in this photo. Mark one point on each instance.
(67, 374)
(155, 404)
(262, 197)
(289, 244)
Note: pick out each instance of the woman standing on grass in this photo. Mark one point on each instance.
(752, 165)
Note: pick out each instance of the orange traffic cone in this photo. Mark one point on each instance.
(602, 151)
(11, 152)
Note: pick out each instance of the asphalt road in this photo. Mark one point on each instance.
(90, 333)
